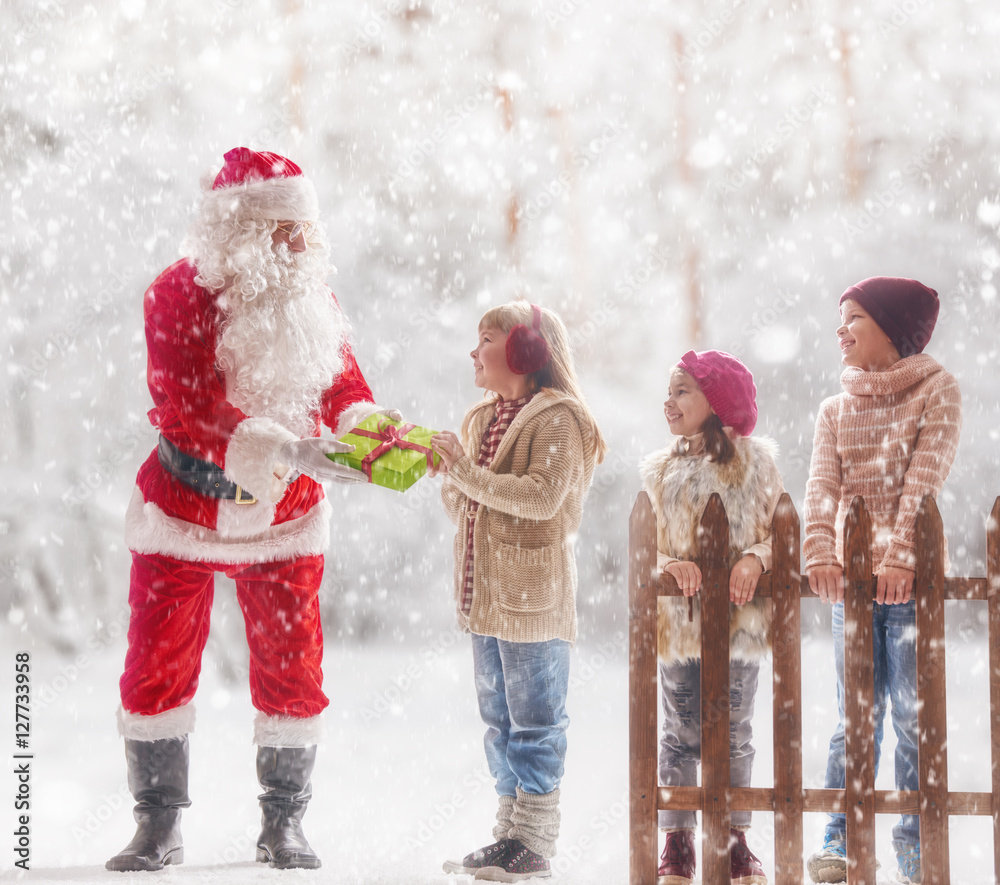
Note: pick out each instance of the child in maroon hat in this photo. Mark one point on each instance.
(711, 407)
(890, 437)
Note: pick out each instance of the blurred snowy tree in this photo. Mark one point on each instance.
(665, 176)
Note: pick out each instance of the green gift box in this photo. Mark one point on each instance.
(390, 453)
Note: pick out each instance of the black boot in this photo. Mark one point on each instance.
(158, 779)
(284, 774)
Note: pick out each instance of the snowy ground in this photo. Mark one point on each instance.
(401, 783)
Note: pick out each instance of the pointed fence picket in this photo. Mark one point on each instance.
(787, 799)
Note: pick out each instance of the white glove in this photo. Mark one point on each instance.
(308, 456)
(391, 414)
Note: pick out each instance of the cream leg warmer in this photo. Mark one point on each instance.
(503, 825)
(535, 821)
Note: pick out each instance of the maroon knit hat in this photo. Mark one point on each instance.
(904, 309)
(728, 386)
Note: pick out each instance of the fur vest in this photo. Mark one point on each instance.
(679, 487)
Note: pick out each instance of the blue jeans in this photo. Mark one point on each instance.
(894, 643)
(680, 743)
(521, 687)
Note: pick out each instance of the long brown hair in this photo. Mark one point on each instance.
(718, 446)
(558, 374)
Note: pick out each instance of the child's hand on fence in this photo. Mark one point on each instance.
(743, 578)
(827, 582)
(894, 585)
(686, 574)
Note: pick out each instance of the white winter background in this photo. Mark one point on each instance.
(666, 176)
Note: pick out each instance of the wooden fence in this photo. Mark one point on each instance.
(787, 799)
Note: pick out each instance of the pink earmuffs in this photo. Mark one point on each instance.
(527, 350)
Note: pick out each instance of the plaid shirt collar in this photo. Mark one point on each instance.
(508, 408)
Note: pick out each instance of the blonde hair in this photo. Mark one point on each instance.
(558, 374)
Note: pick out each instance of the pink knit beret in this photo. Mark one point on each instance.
(728, 386)
(904, 309)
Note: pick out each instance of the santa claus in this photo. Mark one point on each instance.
(249, 362)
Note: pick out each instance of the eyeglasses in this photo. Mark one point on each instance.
(294, 229)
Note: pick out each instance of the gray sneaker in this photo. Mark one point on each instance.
(491, 855)
(909, 866)
(829, 864)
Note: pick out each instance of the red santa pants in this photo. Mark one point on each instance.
(171, 601)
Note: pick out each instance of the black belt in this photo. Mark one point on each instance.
(205, 477)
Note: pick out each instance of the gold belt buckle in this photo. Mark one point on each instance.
(240, 499)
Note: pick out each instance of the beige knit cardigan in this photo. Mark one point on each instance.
(890, 437)
(530, 507)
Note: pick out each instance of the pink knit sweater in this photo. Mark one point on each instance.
(890, 437)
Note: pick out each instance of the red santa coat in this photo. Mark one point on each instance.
(191, 410)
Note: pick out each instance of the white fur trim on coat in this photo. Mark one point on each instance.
(276, 199)
(253, 454)
(163, 726)
(352, 416)
(243, 521)
(286, 731)
(149, 530)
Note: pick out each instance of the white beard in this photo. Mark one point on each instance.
(279, 346)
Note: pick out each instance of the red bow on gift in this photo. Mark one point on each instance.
(392, 438)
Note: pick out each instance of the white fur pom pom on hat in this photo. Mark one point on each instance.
(262, 185)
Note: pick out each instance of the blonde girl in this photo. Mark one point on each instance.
(514, 485)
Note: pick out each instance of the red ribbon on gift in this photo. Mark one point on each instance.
(392, 438)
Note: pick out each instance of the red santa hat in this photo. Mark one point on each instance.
(263, 185)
